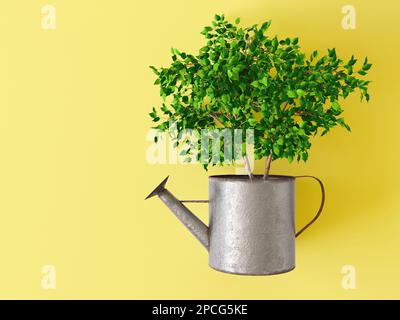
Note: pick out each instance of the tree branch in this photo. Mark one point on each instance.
(267, 166)
(248, 168)
(217, 120)
(284, 107)
(304, 112)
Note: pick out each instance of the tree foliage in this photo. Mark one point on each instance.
(244, 78)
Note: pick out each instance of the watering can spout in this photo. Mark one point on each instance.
(191, 222)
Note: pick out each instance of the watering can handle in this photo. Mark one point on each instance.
(320, 207)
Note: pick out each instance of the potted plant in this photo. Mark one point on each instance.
(244, 79)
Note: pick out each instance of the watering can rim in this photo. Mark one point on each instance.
(245, 178)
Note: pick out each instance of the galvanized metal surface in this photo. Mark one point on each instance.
(191, 222)
(252, 224)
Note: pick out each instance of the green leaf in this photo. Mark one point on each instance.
(301, 132)
(343, 124)
(367, 66)
(175, 51)
(300, 92)
(264, 81)
(336, 106)
(237, 21)
(206, 30)
(265, 25)
(243, 149)
(352, 61)
(291, 94)
(155, 70)
(276, 150)
(275, 44)
(154, 115)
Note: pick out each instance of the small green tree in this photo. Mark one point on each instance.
(242, 78)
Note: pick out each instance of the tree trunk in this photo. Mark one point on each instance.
(248, 168)
(267, 166)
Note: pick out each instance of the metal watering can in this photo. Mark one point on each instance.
(251, 223)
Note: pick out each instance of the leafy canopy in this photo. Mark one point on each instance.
(243, 78)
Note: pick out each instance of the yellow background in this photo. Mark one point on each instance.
(74, 106)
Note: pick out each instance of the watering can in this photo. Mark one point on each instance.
(251, 227)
